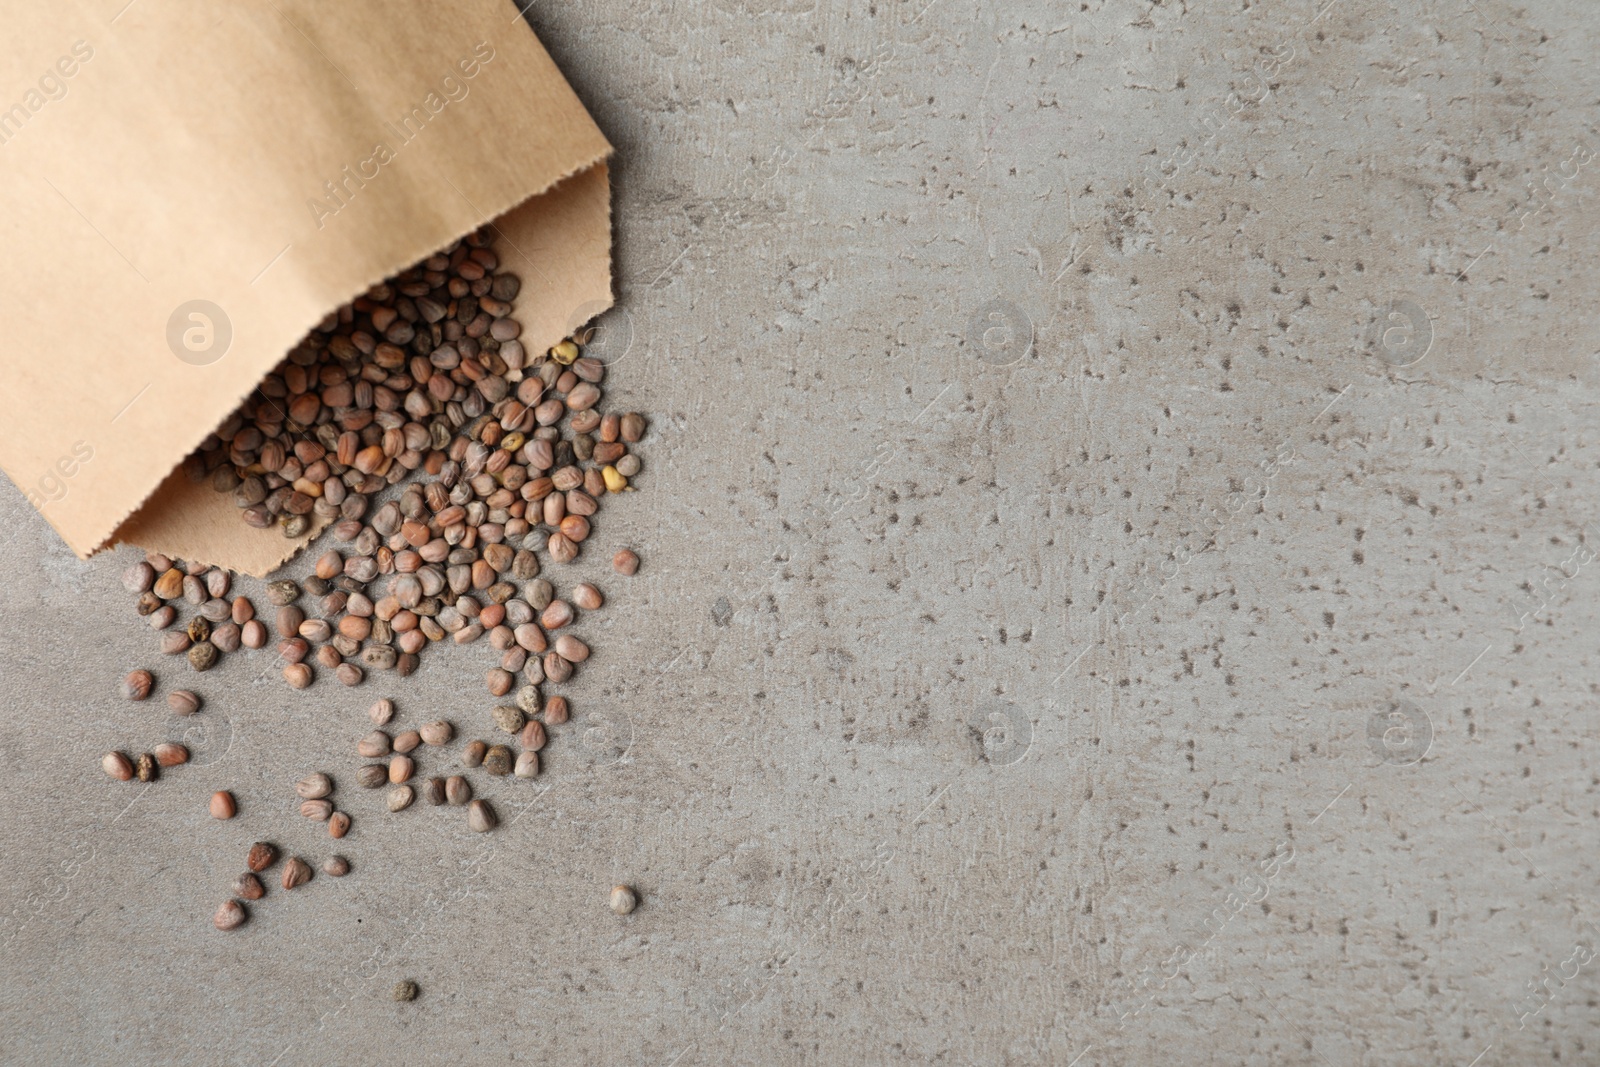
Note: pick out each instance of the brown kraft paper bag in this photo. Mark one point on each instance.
(189, 188)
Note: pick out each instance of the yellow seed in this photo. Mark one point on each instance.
(564, 353)
(615, 482)
(513, 441)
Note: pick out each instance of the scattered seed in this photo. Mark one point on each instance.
(434, 791)
(405, 991)
(623, 899)
(184, 702)
(171, 754)
(117, 766)
(407, 741)
(147, 768)
(262, 855)
(336, 867)
(223, 806)
(319, 810)
(138, 578)
(203, 656)
(527, 765)
(372, 776)
(230, 916)
(556, 711)
(571, 649)
(481, 817)
(249, 887)
(400, 797)
(338, 824)
(625, 562)
(587, 596)
(298, 675)
(382, 711)
(457, 790)
(473, 754)
(497, 760)
(533, 736)
(508, 718)
(296, 873)
(137, 685)
(374, 745)
(437, 733)
(401, 769)
(314, 786)
(283, 592)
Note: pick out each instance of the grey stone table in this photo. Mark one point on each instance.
(1118, 587)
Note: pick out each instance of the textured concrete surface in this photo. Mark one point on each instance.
(1118, 583)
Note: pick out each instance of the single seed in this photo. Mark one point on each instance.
(571, 649)
(557, 668)
(203, 656)
(171, 754)
(374, 745)
(319, 810)
(199, 629)
(170, 585)
(401, 769)
(434, 791)
(632, 427)
(556, 711)
(314, 786)
(533, 736)
(497, 760)
(230, 916)
(372, 776)
(400, 797)
(382, 711)
(175, 642)
(184, 701)
(508, 718)
(558, 614)
(253, 634)
(481, 817)
(338, 824)
(298, 675)
(587, 596)
(529, 699)
(138, 578)
(437, 733)
(117, 766)
(223, 806)
(283, 592)
(473, 754)
(404, 991)
(249, 887)
(625, 562)
(500, 682)
(146, 768)
(296, 873)
(137, 685)
(457, 790)
(407, 741)
(336, 867)
(262, 855)
(527, 765)
(623, 899)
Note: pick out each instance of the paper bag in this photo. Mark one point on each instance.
(190, 188)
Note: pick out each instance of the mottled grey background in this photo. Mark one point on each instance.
(1117, 584)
